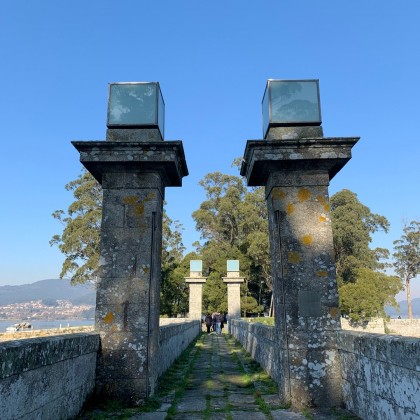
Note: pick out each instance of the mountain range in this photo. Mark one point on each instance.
(415, 305)
(51, 289)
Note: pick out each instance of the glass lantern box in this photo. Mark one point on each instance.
(291, 103)
(136, 105)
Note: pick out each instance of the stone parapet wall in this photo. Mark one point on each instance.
(47, 378)
(406, 327)
(374, 325)
(381, 375)
(174, 338)
(259, 341)
(169, 321)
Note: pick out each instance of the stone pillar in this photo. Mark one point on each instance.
(134, 166)
(233, 282)
(296, 172)
(196, 281)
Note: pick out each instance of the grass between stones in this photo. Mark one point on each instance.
(170, 388)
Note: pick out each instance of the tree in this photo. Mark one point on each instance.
(353, 224)
(80, 239)
(363, 288)
(233, 225)
(407, 258)
(368, 294)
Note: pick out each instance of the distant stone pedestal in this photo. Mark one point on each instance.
(195, 282)
(133, 175)
(296, 173)
(233, 281)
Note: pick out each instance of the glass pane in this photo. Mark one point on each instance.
(294, 101)
(161, 114)
(196, 265)
(132, 104)
(232, 265)
(265, 110)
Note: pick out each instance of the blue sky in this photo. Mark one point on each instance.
(212, 60)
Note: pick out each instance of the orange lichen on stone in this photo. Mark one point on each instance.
(307, 239)
(322, 219)
(322, 273)
(293, 257)
(304, 194)
(134, 203)
(109, 317)
(334, 312)
(290, 208)
(324, 202)
(278, 194)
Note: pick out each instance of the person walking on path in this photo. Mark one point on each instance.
(208, 321)
(218, 318)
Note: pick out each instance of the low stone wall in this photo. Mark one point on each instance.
(381, 375)
(259, 341)
(404, 327)
(47, 378)
(174, 338)
(374, 325)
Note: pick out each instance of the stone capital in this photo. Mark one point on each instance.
(198, 280)
(233, 280)
(263, 157)
(165, 157)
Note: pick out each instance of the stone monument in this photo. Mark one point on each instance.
(295, 164)
(233, 281)
(134, 165)
(195, 282)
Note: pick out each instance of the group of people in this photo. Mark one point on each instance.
(215, 322)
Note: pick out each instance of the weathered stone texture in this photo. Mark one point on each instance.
(296, 175)
(233, 297)
(406, 327)
(195, 297)
(173, 340)
(134, 172)
(47, 378)
(259, 341)
(380, 375)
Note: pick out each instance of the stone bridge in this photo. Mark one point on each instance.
(312, 361)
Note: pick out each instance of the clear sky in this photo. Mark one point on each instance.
(212, 60)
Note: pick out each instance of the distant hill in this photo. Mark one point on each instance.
(54, 289)
(415, 304)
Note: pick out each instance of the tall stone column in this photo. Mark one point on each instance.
(295, 165)
(134, 166)
(195, 282)
(233, 281)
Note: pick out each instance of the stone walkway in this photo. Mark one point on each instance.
(215, 380)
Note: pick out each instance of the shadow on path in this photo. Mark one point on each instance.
(215, 379)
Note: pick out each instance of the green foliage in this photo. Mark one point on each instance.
(174, 291)
(407, 257)
(233, 225)
(249, 305)
(214, 294)
(366, 297)
(363, 288)
(352, 224)
(79, 241)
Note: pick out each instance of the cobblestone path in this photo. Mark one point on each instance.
(215, 380)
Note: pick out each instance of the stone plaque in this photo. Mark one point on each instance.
(309, 303)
